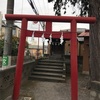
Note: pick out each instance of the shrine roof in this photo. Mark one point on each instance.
(84, 34)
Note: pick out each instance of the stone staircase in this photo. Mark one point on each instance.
(49, 70)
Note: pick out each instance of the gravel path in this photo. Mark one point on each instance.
(54, 91)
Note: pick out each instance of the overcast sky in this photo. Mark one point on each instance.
(44, 8)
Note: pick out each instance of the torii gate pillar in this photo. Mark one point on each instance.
(20, 58)
(49, 27)
(74, 69)
(49, 30)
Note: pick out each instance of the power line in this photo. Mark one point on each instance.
(39, 4)
(33, 5)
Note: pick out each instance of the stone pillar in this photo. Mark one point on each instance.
(86, 56)
(48, 48)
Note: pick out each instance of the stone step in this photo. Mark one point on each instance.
(47, 74)
(48, 70)
(48, 66)
(46, 63)
(53, 61)
(47, 78)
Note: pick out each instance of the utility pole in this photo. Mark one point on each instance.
(0, 22)
(8, 36)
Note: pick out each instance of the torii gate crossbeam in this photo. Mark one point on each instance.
(66, 35)
(72, 37)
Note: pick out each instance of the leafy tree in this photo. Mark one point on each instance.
(87, 8)
(83, 5)
(15, 43)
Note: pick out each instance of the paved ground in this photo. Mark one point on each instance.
(37, 90)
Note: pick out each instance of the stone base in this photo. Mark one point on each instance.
(95, 90)
(85, 72)
(9, 98)
(20, 98)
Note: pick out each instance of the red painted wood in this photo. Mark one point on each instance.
(48, 27)
(66, 35)
(72, 36)
(74, 69)
(50, 18)
(20, 59)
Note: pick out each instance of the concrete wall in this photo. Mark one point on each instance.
(14, 60)
(7, 78)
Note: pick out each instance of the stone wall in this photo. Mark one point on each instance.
(7, 78)
(68, 64)
(14, 60)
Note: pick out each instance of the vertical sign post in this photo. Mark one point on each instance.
(5, 61)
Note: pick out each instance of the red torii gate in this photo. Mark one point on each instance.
(70, 35)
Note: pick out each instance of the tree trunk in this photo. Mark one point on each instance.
(9, 27)
(95, 41)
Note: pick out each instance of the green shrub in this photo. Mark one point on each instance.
(15, 44)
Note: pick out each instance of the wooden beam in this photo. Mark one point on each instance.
(50, 18)
(56, 34)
